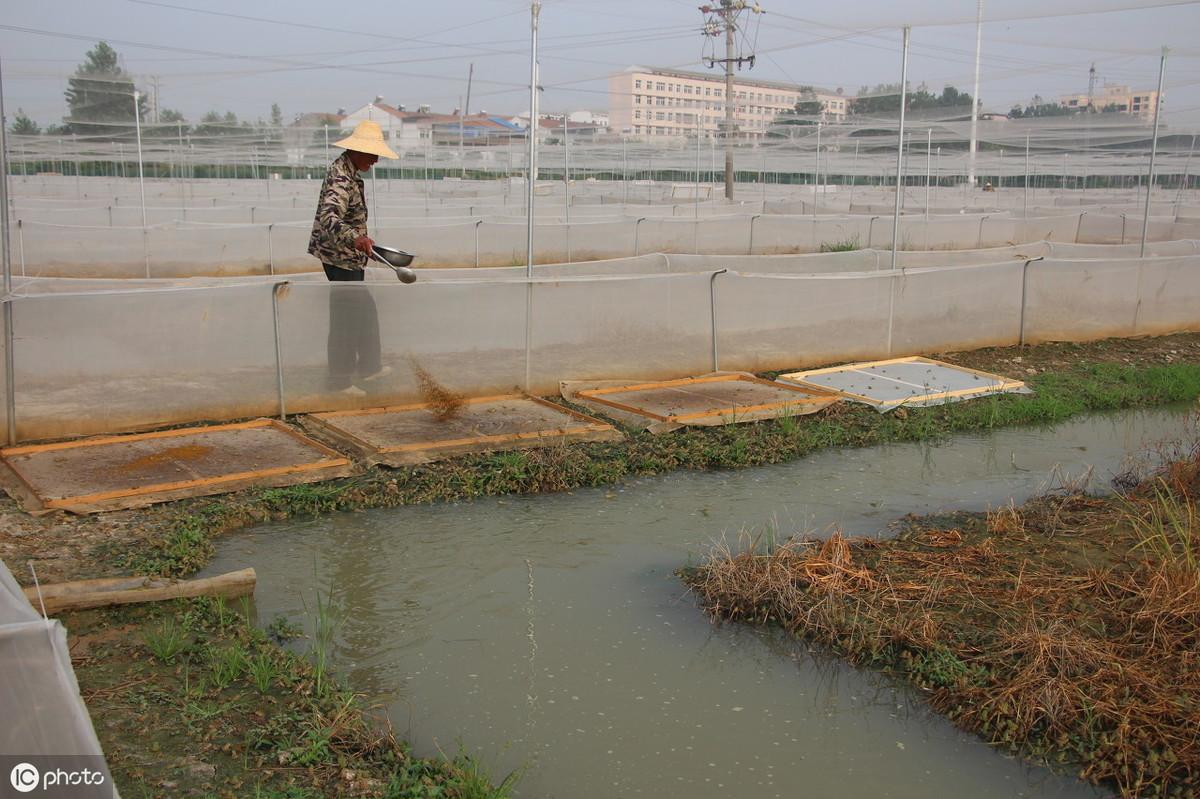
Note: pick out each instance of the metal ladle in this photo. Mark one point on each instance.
(398, 260)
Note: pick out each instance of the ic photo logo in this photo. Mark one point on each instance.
(47, 779)
(24, 777)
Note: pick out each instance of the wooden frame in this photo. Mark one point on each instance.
(1000, 383)
(335, 464)
(402, 454)
(811, 395)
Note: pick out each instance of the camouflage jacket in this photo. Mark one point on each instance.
(341, 217)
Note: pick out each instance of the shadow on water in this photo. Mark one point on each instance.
(550, 631)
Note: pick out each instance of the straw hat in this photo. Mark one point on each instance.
(367, 138)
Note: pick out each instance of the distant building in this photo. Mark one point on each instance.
(652, 101)
(596, 120)
(1118, 98)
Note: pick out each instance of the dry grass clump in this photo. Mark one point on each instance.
(1068, 629)
(443, 403)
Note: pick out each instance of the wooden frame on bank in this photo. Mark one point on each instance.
(332, 464)
(811, 395)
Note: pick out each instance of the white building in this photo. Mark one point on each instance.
(651, 101)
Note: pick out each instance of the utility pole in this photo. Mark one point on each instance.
(975, 96)
(720, 19)
(154, 83)
(1091, 86)
(462, 113)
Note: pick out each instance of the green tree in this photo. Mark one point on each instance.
(100, 95)
(276, 116)
(24, 126)
(885, 98)
(214, 124)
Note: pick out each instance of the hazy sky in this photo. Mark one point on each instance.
(315, 56)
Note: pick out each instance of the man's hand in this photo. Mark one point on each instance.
(364, 243)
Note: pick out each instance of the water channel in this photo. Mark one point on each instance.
(549, 632)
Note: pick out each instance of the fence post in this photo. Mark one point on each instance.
(1122, 228)
(712, 307)
(636, 227)
(270, 250)
(870, 231)
(478, 222)
(1024, 273)
(275, 289)
(978, 241)
(21, 246)
(750, 249)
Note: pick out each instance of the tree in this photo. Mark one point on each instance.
(885, 98)
(100, 95)
(24, 126)
(213, 124)
(1038, 108)
(276, 116)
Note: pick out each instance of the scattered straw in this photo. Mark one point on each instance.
(443, 403)
(1067, 629)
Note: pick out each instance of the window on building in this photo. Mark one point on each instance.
(660, 115)
(660, 100)
(637, 84)
(637, 114)
(660, 86)
(716, 92)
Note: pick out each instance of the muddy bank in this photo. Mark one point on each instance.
(1067, 629)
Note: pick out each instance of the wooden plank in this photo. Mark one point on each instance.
(101, 593)
(493, 439)
(736, 409)
(683, 381)
(88, 499)
(93, 442)
(415, 406)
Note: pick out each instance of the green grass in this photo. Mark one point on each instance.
(842, 245)
(166, 640)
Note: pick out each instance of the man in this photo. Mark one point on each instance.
(339, 239)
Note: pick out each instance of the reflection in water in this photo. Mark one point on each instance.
(551, 631)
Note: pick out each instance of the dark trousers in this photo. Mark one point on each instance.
(353, 346)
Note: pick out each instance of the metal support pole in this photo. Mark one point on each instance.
(1024, 272)
(854, 173)
(1184, 180)
(567, 173)
(900, 159)
(928, 174)
(535, 9)
(275, 291)
(10, 394)
(270, 250)
(712, 305)
(531, 132)
(624, 172)
(1026, 212)
(817, 171)
(137, 119)
(975, 94)
(899, 174)
(1162, 68)
(729, 98)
